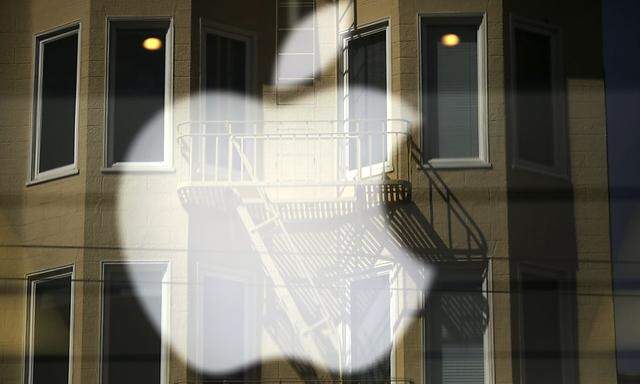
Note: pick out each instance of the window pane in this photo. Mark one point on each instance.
(457, 318)
(136, 93)
(368, 97)
(131, 343)
(295, 66)
(223, 331)
(371, 327)
(450, 57)
(58, 102)
(292, 14)
(51, 331)
(542, 349)
(534, 101)
(296, 41)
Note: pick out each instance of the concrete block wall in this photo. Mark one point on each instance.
(42, 225)
(587, 148)
(135, 216)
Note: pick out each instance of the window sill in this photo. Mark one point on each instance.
(454, 164)
(136, 168)
(54, 175)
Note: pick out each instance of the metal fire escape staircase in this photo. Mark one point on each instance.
(272, 222)
(369, 167)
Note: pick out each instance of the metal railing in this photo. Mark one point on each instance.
(293, 153)
(298, 381)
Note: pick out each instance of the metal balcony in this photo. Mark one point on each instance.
(300, 381)
(293, 153)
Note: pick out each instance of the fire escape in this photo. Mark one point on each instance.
(280, 176)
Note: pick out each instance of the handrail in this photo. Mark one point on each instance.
(293, 152)
(299, 381)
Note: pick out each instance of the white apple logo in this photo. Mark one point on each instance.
(322, 280)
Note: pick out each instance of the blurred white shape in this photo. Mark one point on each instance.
(283, 265)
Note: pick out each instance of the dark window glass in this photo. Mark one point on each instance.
(295, 14)
(534, 98)
(457, 316)
(371, 328)
(57, 114)
(541, 333)
(367, 76)
(450, 89)
(51, 330)
(137, 84)
(132, 347)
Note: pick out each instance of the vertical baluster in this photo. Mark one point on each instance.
(203, 157)
(359, 150)
(191, 162)
(254, 151)
(241, 158)
(370, 150)
(216, 153)
(229, 150)
(383, 144)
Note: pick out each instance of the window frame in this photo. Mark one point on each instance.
(165, 332)
(483, 159)
(567, 338)
(40, 39)
(379, 26)
(560, 168)
(251, 297)
(32, 280)
(166, 165)
(392, 273)
(287, 83)
(488, 339)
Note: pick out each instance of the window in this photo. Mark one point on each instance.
(139, 94)
(224, 337)
(56, 104)
(370, 329)
(538, 111)
(454, 91)
(296, 52)
(547, 324)
(366, 87)
(456, 326)
(134, 307)
(50, 306)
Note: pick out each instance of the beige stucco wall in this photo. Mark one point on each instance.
(82, 210)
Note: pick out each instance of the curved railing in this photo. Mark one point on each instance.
(293, 153)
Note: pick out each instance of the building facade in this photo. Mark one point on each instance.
(181, 179)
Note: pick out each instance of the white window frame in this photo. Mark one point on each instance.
(32, 282)
(560, 127)
(488, 338)
(380, 270)
(483, 160)
(41, 39)
(165, 331)
(166, 165)
(385, 166)
(208, 27)
(245, 278)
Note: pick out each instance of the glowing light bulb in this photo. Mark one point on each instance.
(152, 43)
(450, 40)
